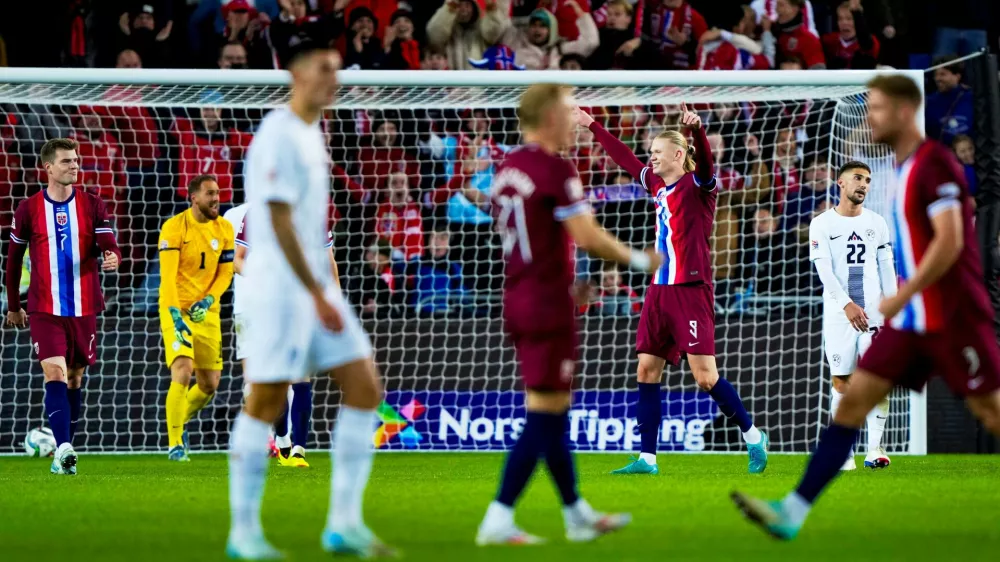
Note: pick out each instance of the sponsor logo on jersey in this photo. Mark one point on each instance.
(855, 238)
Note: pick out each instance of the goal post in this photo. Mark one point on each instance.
(413, 153)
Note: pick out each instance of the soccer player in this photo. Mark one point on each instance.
(67, 229)
(852, 251)
(539, 205)
(291, 449)
(940, 319)
(298, 319)
(196, 267)
(678, 314)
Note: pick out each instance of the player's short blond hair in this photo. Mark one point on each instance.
(536, 101)
(49, 149)
(898, 87)
(681, 142)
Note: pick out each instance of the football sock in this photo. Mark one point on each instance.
(75, 397)
(352, 455)
(732, 407)
(649, 415)
(835, 398)
(176, 409)
(558, 456)
(196, 400)
(57, 410)
(876, 424)
(247, 474)
(281, 429)
(834, 446)
(522, 459)
(301, 412)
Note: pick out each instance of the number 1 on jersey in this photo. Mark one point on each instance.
(202, 261)
(516, 236)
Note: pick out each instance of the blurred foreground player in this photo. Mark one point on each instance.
(940, 320)
(66, 230)
(540, 208)
(298, 319)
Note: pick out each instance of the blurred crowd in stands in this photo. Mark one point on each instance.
(411, 188)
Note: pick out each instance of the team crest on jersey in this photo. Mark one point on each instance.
(62, 218)
(870, 233)
(36, 348)
(792, 43)
(215, 244)
(836, 360)
(814, 244)
(855, 238)
(164, 245)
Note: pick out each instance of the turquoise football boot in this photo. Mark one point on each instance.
(768, 515)
(186, 441)
(637, 466)
(360, 542)
(177, 453)
(758, 455)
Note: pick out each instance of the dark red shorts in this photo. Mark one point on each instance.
(547, 360)
(967, 358)
(72, 337)
(675, 319)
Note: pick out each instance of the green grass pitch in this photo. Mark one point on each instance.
(144, 509)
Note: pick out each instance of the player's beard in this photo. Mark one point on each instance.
(856, 198)
(209, 212)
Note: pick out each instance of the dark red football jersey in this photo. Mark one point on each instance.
(533, 191)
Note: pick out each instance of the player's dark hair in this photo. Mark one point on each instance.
(898, 87)
(196, 183)
(853, 165)
(535, 102)
(48, 154)
(952, 67)
(302, 50)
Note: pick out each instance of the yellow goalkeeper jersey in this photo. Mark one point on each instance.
(203, 263)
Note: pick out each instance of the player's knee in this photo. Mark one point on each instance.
(705, 378)
(55, 371)
(649, 372)
(74, 378)
(181, 370)
(208, 385)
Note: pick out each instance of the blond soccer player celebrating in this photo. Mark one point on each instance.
(196, 267)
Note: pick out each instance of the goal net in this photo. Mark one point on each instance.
(413, 154)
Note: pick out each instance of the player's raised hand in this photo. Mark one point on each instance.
(857, 317)
(181, 329)
(328, 314)
(582, 117)
(689, 119)
(111, 261)
(199, 310)
(18, 319)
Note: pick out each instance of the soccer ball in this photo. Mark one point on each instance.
(40, 443)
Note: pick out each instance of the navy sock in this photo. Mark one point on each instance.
(834, 446)
(649, 415)
(522, 459)
(75, 396)
(57, 410)
(281, 424)
(730, 404)
(559, 458)
(301, 412)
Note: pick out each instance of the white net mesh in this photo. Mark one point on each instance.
(421, 263)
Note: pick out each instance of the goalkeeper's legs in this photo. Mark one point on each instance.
(181, 371)
(706, 374)
(648, 413)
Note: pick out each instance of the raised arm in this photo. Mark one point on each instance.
(704, 170)
(591, 238)
(615, 148)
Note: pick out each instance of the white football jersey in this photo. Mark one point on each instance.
(856, 247)
(287, 162)
(235, 218)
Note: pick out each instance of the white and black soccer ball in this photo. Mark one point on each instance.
(40, 443)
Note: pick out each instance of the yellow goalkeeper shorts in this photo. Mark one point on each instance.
(205, 338)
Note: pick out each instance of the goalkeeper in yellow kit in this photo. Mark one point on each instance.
(196, 267)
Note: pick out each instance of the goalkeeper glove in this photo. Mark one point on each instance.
(180, 327)
(199, 309)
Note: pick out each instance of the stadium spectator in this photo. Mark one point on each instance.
(295, 24)
(139, 31)
(620, 44)
(853, 45)
(434, 281)
(726, 236)
(434, 58)
(398, 219)
(949, 110)
(572, 62)
(208, 146)
(675, 28)
(382, 11)
(960, 26)
(402, 50)
(10, 167)
(784, 169)
(78, 49)
(246, 25)
(465, 29)
(208, 22)
(795, 39)
(733, 46)
(102, 167)
(384, 155)
(567, 18)
(613, 297)
(233, 56)
(372, 284)
(817, 186)
(965, 150)
(540, 47)
(790, 63)
(769, 10)
(363, 49)
(774, 260)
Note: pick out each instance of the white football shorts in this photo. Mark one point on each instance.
(240, 328)
(287, 342)
(845, 345)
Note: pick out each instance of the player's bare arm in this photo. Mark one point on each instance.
(16, 315)
(240, 258)
(284, 232)
(333, 267)
(944, 250)
(596, 241)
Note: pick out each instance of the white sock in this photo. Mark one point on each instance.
(876, 425)
(498, 515)
(247, 474)
(579, 513)
(283, 441)
(650, 458)
(752, 436)
(352, 456)
(796, 508)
